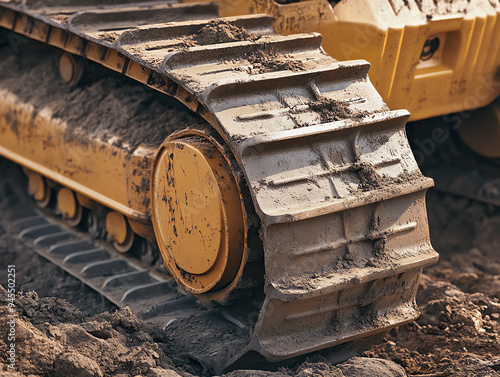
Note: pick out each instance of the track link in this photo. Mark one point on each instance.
(340, 198)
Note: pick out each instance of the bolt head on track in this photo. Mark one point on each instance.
(197, 215)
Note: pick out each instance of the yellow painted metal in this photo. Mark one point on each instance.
(481, 130)
(462, 74)
(117, 227)
(37, 187)
(197, 215)
(99, 170)
(67, 203)
(193, 207)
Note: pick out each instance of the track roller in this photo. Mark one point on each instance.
(70, 209)
(38, 189)
(119, 231)
(71, 68)
(197, 214)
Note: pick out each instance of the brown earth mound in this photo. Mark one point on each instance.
(219, 31)
(55, 339)
(271, 61)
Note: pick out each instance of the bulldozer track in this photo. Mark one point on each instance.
(340, 199)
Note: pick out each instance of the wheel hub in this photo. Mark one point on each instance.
(197, 214)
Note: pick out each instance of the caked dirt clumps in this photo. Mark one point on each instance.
(31, 274)
(103, 107)
(55, 342)
(263, 61)
(457, 334)
(331, 110)
(219, 31)
(272, 61)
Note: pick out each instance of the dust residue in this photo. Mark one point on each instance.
(271, 61)
(331, 110)
(442, 7)
(60, 18)
(219, 31)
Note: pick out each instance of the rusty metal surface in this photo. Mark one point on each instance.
(340, 199)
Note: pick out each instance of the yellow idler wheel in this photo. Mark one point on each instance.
(118, 228)
(38, 188)
(481, 131)
(70, 208)
(197, 215)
